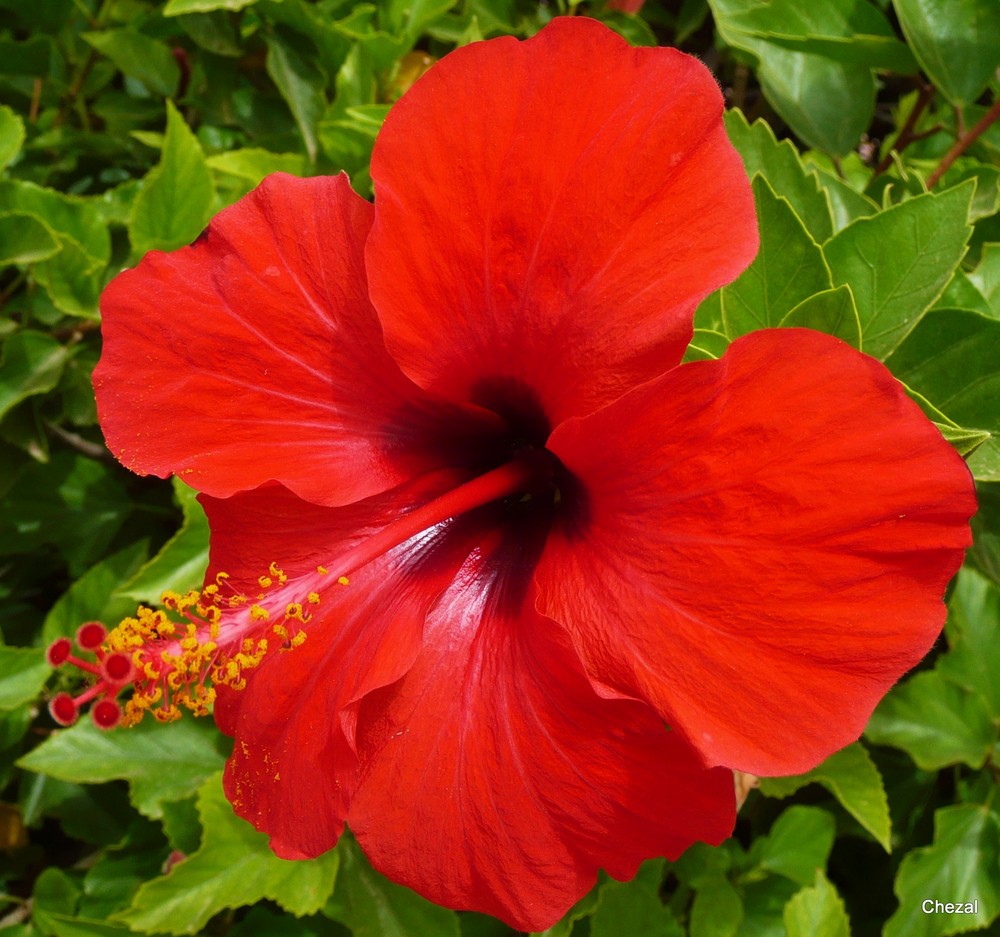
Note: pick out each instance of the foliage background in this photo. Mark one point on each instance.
(125, 124)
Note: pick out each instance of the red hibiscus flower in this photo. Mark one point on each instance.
(500, 585)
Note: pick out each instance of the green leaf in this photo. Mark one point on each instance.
(73, 219)
(55, 891)
(960, 867)
(964, 441)
(962, 293)
(25, 239)
(181, 563)
(234, 867)
(706, 345)
(73, 279)
(798, 845)
(936, 722)
(985, 551)
(215, 31)
(73, 502)
(987, 178)
(93, 598)
(986, 277)
(65, 925)
(114, 878)
(314, 21)
(11, 139)
(717, 910)
(973, 658)
(182, 825)
(24, 672)
(382, 48)
(252, 163)
(846, 203)
(782, 167)
(865, 51)
(140, 57)
(788, 269)
(817, 912)
(632, 908)
(701, 863)
(409, 17)
(847, 31)
(26, 57)
(175, 203)
(630, 27)
(160, 762)
(584, 908)
(831, 311)
(898, 262)
(828, 104)
(32, 363)
(301, 84)
(369, 905)
(852, 777)
(952, 358)
(956, 41)
(179, 7)
(764, 906)
(348, 139)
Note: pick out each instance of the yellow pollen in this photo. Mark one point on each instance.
(322, 570)
(344, 581)
(197, 637)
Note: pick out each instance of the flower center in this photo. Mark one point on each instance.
(216, 635)
(529, 473)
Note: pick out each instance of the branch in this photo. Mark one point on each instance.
(964, 141)
(906, 135)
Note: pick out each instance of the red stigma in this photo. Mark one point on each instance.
(90, 636)
(58, 652)
(118, 668)
(107, 676)
(63, 710)
(106, 714)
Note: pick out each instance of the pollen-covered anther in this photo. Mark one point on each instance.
(168, 655)
(215, 636)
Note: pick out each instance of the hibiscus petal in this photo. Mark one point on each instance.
(549, 213)
(294, 766)
(494, 778)
(763, 550)
(254, 355)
